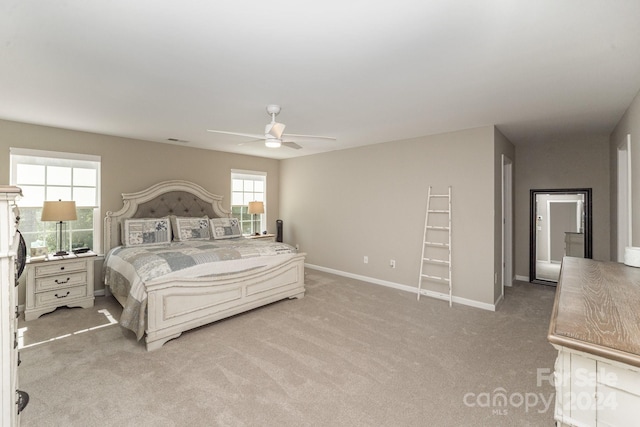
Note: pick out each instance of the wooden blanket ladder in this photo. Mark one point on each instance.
(435, 265)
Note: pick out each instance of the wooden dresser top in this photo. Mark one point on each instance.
(597, 309)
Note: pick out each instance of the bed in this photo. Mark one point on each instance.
(168, 285)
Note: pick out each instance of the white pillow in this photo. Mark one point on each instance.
(190, 228)
(146, 231)
(225, 228)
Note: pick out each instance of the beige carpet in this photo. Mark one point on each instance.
(348, 354)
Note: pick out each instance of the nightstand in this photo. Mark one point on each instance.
(57, 283)
(267, 237)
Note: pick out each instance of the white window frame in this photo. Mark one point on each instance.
(57, 158)
(247, 175)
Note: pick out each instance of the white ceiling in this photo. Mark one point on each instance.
(362, 71)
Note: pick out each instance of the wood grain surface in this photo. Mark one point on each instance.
(597, 309)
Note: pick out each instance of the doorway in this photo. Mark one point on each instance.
(507, 223)
(560, 225)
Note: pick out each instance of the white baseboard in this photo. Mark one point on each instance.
(412, 289)
(522, 278)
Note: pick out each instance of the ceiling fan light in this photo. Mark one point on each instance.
(272, 143)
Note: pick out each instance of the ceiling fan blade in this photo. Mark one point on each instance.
(275, 129)
(293, 135)
(291, 144)
(248, 135)
(250, 142)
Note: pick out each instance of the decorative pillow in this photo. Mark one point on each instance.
(146, 231)
(225, 228)
(185, 228)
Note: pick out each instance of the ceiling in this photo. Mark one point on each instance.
(362, 71)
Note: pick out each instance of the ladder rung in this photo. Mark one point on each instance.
(444, 245)
(427, 276)
(438, 211)
(438, 261)
(436, 227)
(439, 195)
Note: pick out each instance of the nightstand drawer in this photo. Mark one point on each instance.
(58, 268)
(61, 281)
(60, 296)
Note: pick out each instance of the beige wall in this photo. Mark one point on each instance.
(578, 163)
(628, 125)
(131, 165)
(341, 206)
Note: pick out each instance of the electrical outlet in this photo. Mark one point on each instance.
(392, 263)
(297, 247)
(366, 259)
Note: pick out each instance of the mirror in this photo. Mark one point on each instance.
(560, 225)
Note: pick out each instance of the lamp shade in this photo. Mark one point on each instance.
(256, 208)
(59, 211)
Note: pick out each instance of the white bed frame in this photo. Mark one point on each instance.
(183, 304)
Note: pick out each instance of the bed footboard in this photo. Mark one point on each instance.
(175, 307)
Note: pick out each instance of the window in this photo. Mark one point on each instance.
(248, 186)
(47, 175)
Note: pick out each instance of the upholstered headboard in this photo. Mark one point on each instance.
(181, 198)
(179, 203)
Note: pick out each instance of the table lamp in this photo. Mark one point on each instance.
(59, 211)
(255, 208)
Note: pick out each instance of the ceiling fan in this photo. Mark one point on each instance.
(274, 136)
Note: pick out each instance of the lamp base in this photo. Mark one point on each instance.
(60, 228)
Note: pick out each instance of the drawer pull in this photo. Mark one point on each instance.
(23, 400)
(62, 282)
(63, 296)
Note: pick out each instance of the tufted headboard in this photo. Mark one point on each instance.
(179, 203)
(181, 198)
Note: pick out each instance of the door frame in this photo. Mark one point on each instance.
(624, 223)
(507, 222)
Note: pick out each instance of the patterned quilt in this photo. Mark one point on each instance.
(127, 270)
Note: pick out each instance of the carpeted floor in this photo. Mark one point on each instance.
(348, 354)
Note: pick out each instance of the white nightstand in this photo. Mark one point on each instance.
(53, 284)
(268, 237)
